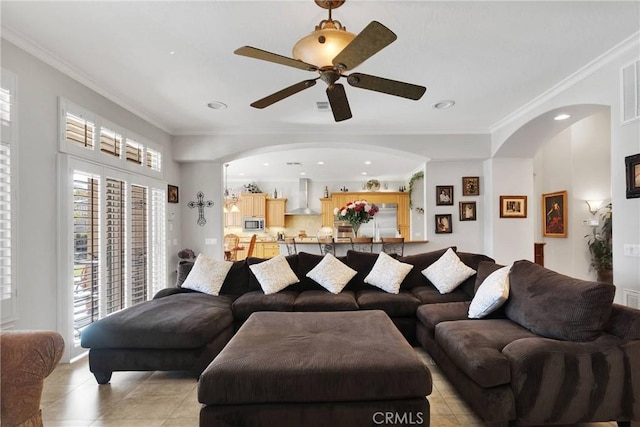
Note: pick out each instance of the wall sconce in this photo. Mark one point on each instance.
(594, 206)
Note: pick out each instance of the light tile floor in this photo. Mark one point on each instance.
(71, 397)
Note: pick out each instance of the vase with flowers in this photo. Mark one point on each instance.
(356, 213)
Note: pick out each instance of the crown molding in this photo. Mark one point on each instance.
(69, 70)
(325, 131)
(578, 76)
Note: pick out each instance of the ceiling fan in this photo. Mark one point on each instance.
(330, 51)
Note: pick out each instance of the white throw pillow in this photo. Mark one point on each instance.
(491, 295)
(332, 274)
(388, 273)
(274, 275)
(448, 272)
(207, 275)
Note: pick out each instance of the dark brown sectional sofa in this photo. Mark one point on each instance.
(557, 352)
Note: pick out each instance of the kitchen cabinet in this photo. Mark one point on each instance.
(253, 204)
(326, 210)
(401, 199)
(233, 219)
(270, 249)
(275, 212)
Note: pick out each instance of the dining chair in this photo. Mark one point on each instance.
(362, 244)
(326, 245)
(393, 245)
(252, 246)
(290, 242)
(231, 247)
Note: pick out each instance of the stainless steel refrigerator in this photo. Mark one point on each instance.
(384, 223)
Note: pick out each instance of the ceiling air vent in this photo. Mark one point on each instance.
(294, 164)
(322, 106)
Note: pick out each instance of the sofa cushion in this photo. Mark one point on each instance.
(421, 261)
(395, 305)
(180, 321)
(236, 282)
(448, 272)
(361, 262)
(475, 346)
(430, 295)
(257, 301)
(207, 275)
(274, 274)
(331, 273)
(387, 273)
(472, 260)
(491, 295)
(305, 263)
(254, 284)
(432, 314)
(485, 268)
(325, 301)
(557, 306)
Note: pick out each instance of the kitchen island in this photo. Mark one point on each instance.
(310, 245)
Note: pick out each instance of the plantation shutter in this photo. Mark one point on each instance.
(134, 151)
(86, 251)
(158, 259)
(139, 243)
(110, 142)
(6, 218)
(79, 131)
(115, 245)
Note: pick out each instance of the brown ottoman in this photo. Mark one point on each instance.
(316, 369)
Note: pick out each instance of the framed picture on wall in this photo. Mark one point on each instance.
(513, 206)
(443, 223)
(470, 185)
(467, 211)
(554, 214)
(444, 195)
(632, 164)
(172, 194)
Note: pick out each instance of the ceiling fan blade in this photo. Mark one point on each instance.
(339, 103)
(253, 52)
(284, 93)
(370, 41)
(391, 87)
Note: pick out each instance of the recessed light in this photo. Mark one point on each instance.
(363, 173)
(303, 173)
(562, 116)
(217, 105)
(173, 52)
(266, 164)
(321, 162)
(241, 174)
(368, 162)
(444, 104)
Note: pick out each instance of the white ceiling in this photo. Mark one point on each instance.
(490, 57)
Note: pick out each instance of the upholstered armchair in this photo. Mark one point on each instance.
(27, 358)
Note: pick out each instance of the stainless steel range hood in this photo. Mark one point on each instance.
(304, 200)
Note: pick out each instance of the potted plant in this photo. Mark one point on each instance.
(601, 248)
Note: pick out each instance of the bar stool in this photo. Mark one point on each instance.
(290, 242)
(362, 244)
(393, 245)
(326, 245)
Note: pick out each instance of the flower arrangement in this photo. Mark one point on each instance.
(357, 213)
(186, 254)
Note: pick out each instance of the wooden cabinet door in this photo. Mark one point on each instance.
(253, 204)
(271, 250)
(233, 219)
(326, 209)
(404, 214)
(259, 204)
(275, 212)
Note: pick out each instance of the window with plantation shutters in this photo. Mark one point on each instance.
(79, 131)
(8, 291)
(139, 239)
(86, 251)
(134, 151)
(154, 159)
(115, 245)
(158, 259)
(110, 142)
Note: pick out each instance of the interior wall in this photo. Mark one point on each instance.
(466, 235)
(601, 86)
(39, 87)
(577, 160)
(418, 210)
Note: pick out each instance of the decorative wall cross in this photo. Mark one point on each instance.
(200, 204)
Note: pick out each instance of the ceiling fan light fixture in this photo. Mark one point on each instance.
(321, 46)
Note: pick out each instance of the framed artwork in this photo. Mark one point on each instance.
(632, 164)
(470, 185)
(513, 206)
(467, 211)
(444, 195)
(554, 214)
(443, 223)
(172, 194)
